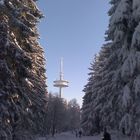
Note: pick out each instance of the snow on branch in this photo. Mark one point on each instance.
(1, 2)
(126, 98)
(136, 9)
(120, 13)
(136, 37)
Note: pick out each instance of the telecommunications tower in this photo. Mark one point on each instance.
(61, 83)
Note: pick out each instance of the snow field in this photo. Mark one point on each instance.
(70, 136)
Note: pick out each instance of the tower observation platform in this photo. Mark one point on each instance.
(61, 83)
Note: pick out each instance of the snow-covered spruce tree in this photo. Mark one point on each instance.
(103, 98)
(130, 73)
(101, 108)
(120, 14)
(101, 90)
(118, 33)
(86, 118)
(124, 32)
(22, 78)
(86, 124)
(106, 89)
(100, 84)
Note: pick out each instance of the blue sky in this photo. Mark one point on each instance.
(74, 30)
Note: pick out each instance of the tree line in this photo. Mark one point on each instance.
(61, 115)
(26, 108)
(112, 93)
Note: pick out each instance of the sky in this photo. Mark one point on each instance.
(74, 30)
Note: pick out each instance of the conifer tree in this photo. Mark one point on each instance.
(87, 118)
(108, 86)
(22, 78)
(121, 32)
(118, 103)
(102, 89)
(130, 72)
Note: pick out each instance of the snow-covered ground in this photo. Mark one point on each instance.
(70, 136)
